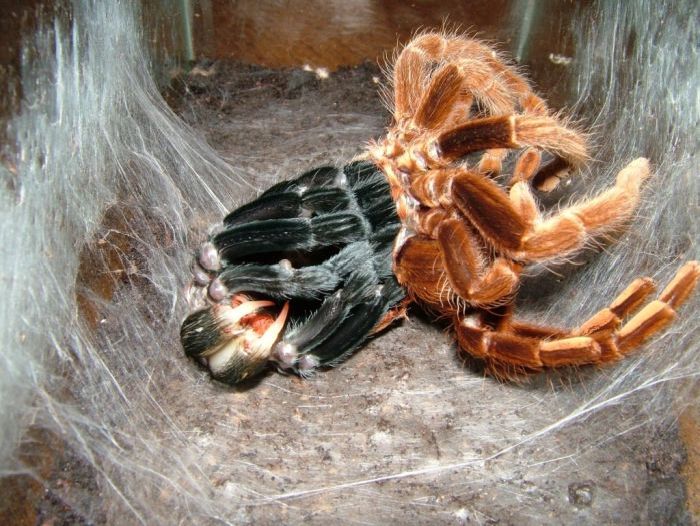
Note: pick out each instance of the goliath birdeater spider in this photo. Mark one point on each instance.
(469, 145)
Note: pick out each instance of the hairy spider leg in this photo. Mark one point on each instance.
(508, 131)
(339, 326)
(472, 278)
(483, 75)
(450, 73)
(499, 217)
(368, 298)
(415, 73)
(452, 270)
(457, 251)
(294, 234)
(432, 95)
(504, 132)
(295, 198)
(515, 348)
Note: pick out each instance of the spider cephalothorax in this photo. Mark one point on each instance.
(326, 242)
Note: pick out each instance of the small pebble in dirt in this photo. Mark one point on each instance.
(581, 493)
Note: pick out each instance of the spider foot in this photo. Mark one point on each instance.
(512, 349)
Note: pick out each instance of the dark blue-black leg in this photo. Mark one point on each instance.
(299, 234)
(357, 325)
(345, 319)
(286, 199)
(317, 210)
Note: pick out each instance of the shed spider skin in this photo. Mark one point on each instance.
(321, 245)
(469, 144)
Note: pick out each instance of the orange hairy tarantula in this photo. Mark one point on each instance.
(460, 115)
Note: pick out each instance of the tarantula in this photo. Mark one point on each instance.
(461, 115)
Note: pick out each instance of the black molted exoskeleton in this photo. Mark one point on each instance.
(321, 243)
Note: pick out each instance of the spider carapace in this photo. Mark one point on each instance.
(441, 211)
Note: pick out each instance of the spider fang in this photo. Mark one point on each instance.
(236, 339)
